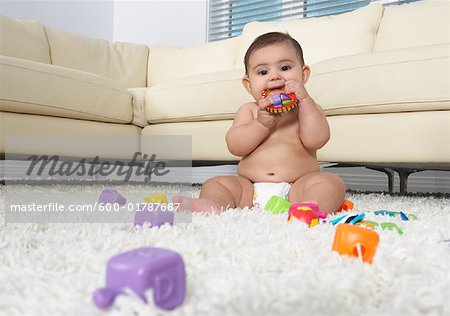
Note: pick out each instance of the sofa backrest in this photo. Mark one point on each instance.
(415, 24)
(323, 37)
(123, 62)
(169, 62)
(23, 39)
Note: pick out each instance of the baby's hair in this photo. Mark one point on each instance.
(271, 39)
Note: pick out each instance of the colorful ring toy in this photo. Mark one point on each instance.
(282, 103)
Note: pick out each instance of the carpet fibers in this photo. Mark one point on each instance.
(243, 262)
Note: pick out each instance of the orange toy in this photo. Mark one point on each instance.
(356, 241)
(347, 205)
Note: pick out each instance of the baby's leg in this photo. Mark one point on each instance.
(326, 188)
(218, 194)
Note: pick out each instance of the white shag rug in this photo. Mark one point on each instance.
(243, 262)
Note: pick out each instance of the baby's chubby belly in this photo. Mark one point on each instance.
(277, 162)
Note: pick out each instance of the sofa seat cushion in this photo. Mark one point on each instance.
(26, 134)
(215, 96)
(35, 88)
(208, 139)
(404, 80)
(408, 137)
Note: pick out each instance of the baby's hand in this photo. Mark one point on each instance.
(267, 119)
(293, 86)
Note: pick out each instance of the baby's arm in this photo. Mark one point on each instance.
(313, 128)
(249, 131)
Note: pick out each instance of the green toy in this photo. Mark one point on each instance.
(384, 226)
(277, 205)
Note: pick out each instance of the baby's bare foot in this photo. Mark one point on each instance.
(196, 205)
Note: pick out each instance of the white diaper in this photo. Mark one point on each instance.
(263, 191)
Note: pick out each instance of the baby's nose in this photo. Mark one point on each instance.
(274, 75)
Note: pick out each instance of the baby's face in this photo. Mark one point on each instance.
(271, 67)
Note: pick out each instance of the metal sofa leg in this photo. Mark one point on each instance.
(389, 173)
(403, 174)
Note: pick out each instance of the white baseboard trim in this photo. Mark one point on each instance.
(356, 178)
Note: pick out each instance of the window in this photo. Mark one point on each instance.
(227, 18)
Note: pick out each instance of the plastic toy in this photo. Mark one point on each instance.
(391, 226)
(306, 212)
(356, 241)
(111, 196)
(277, 205)
(402, 215)
(143, 268)
(156, 198)
(384, 226)
(155, 214)
(348, 219)
(347, 205)
(282, 102)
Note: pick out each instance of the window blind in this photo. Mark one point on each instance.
(227, 18)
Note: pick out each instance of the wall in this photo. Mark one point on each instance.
(150, 22)
(181, 23)
(89, 18)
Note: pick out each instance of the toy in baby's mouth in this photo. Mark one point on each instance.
(282, 102)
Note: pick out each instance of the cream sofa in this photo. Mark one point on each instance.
(381, 74)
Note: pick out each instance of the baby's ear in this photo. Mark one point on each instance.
(306, 71)
(246, 84)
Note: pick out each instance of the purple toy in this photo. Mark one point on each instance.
(111, 196)
(141, 269)
(154, 213)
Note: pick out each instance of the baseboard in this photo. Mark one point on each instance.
(356, 178)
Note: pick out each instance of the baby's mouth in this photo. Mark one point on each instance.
(272, 93)
(276, 85)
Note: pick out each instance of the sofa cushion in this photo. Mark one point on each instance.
(205, 97)
(324, 37)
(408, 137)
(208, 139)
(416, 24)
(124, 62)
(170, 62)
(23, 39)
(35, 88)
(404, 80)
(27, 134)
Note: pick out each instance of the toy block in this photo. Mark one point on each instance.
(277, 205)
(155, 214)
(356, 241)
(305, 212)
(111, 196)
(141, 269)
(347, 205)
(156, 198)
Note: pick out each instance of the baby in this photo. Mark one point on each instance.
(278, 150)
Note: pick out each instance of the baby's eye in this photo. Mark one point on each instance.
(262, 72)
(285, 68)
